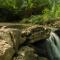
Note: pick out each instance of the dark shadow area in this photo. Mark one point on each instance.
(41, 48)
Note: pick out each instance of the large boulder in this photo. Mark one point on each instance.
(12, 36)
(36, 33)
(28, 53)
(6, 50)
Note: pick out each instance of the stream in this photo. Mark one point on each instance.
(53, 44)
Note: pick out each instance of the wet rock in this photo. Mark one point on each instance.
(36, 33)
(6, 51)
(28, 53)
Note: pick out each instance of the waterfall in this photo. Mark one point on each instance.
(53, 44)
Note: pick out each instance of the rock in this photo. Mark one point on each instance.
(28, 53)
(41, 48)
(16, 37)
(43, 58)
(11, 39)
(6, 36)
(6, 51)
(12, 36)
(36, 33)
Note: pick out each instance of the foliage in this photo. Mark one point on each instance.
(44, 10)
(55, 8)
(18, 5)
(37, 19)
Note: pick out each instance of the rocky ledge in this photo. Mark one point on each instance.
(18, 44)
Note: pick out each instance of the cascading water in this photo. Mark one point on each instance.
(54, 46)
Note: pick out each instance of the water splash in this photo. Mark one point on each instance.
(54, 46)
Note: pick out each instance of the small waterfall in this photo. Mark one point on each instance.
(53, 44)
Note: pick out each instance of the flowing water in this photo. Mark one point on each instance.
(54, 46)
